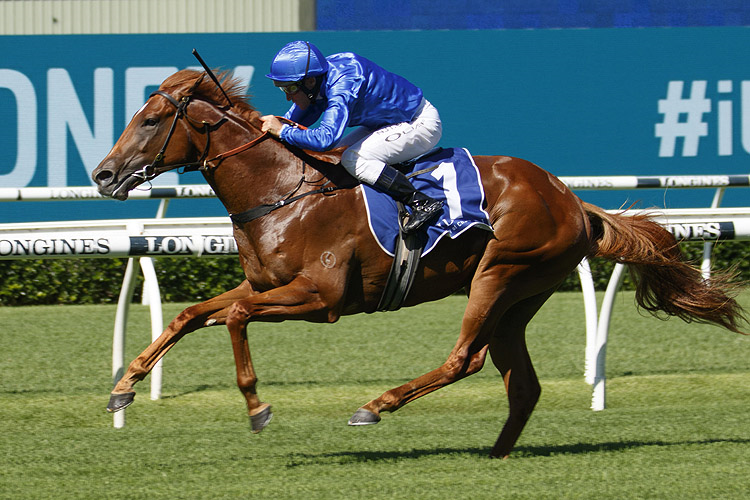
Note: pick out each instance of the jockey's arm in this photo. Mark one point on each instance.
(329, 131)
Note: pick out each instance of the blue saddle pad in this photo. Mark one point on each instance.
(449, 175)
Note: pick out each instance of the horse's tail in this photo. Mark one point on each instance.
(664, 280)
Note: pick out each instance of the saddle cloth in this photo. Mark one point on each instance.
(449, 175)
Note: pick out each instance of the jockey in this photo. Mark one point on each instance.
(395, 122)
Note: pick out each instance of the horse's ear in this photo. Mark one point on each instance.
(197, 83)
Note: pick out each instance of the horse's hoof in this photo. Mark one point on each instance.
(261, 419)
(364, 417)
(119, 402)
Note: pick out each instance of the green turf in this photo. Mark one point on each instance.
(675, 426)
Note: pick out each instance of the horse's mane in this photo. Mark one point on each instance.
(182, 81)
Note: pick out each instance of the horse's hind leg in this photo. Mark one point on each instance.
(511, 357)
(211, 312)
(488, 322)
(454, 369)
(486, 305)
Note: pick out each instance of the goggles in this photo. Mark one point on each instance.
(291, 89)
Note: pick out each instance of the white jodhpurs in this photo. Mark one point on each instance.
(370, 151)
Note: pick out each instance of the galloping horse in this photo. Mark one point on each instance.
(315, 259)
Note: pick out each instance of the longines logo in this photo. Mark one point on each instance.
(182, 245)
(702, 231)
(54, 246)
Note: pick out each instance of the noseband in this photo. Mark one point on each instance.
(148, 172)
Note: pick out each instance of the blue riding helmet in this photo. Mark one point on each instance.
(296, 61)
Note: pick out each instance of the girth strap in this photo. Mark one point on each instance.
(261, 210)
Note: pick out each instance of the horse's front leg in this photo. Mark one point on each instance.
(211, 312)
(300, 299)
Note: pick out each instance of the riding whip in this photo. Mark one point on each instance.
(212, 76)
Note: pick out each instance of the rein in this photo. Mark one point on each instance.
(149, 171)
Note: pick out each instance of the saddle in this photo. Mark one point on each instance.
(448, 174)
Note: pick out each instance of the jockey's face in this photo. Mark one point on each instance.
(300, 98)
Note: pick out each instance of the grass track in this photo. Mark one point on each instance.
(675, 426)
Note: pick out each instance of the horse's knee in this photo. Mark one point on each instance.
(189, 320)
(455, 368)
(237, 317)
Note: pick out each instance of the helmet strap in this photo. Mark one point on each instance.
(312, 93)
(307, 65)
(308, 92)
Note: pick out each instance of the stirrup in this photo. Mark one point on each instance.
(421, 214)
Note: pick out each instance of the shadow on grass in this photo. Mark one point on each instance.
(199, 388)
(582, 448)
(302, 459)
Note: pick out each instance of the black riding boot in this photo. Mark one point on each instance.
(398, 187)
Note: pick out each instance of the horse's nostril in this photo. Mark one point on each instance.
(103, 176)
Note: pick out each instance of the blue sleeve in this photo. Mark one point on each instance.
(341, 91)
(329, 131)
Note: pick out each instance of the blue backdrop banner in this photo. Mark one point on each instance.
(656, 101)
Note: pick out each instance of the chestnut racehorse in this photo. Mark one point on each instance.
(315, 258)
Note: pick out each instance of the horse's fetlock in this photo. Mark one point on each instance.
(246, 383)
(386, 402)
(138, 367)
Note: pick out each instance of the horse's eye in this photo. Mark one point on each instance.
(150, 122)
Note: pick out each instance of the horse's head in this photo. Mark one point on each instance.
(155, 140)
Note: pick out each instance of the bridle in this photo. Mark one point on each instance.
(149, 171)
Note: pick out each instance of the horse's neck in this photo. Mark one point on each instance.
(262, 174)
(269, 170)
(256, 177)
